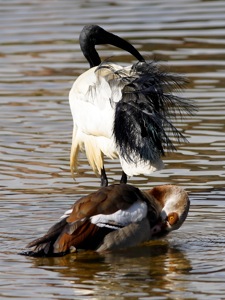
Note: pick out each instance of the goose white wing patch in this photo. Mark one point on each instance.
(66, 213)
(135, 213)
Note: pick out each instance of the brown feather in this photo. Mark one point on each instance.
(52, 233)
(75, 239)
(159, 193)
(162, 192)
(106, 200)
(77, 232)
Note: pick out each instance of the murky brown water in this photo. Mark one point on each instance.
(40, 58)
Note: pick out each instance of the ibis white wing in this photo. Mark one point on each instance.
(93, 98)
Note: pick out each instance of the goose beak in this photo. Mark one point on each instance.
(159, 228)
(155, 229)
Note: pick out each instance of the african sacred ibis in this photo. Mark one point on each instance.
(123, 112)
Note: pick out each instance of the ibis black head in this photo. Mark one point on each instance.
(92, 35)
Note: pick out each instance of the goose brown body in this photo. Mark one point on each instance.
(114, 217)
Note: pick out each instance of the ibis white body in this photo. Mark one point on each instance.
(122, 112)
(92, 99)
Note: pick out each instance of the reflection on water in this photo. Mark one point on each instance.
(40, 58)
(141, 269)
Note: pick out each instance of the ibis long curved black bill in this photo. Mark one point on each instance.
(93, 35)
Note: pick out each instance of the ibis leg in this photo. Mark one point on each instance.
(123, 178)
(104, 179)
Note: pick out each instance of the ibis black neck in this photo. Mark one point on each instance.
(93, 35)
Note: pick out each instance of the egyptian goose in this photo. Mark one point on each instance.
(123, 112)
(114, 217)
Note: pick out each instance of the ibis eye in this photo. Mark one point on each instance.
(173, 218)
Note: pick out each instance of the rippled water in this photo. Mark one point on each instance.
(40, 58)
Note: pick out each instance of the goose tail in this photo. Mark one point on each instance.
(44, 246)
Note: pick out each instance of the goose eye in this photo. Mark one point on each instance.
(173, 218)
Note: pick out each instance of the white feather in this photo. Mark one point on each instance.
(135, 213)
(173, 203)
(92, 98)
(66, 213)
(135, 167)
(92, 102)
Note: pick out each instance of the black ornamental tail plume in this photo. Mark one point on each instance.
(144, 117)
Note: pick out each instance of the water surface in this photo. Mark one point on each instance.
(40, 58)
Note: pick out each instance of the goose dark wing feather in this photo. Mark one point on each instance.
(106, 200)
(44, 245)
(75, 229)
(59, 242)
(51, 235)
